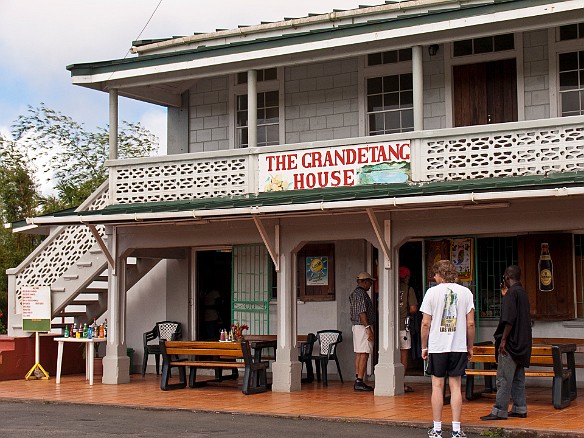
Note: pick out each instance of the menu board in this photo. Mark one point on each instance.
(36, 308)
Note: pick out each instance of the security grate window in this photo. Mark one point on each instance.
(494, 254)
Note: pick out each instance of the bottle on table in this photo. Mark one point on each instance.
(66, 331)
(85, 330)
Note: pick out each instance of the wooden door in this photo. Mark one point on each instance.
(485, 93)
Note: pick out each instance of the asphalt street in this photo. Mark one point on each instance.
(34, 419)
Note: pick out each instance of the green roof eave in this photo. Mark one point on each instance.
(372, 26)
(354, 193)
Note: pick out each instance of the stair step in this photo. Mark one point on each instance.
(95, 251)
(70, 277)
(101, 278)
(94, 290)
(83, 302)
(57, 289)
(84, 264)
(63, 314)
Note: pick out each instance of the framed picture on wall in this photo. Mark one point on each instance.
(316, 273)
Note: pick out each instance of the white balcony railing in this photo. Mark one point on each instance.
(511, 149)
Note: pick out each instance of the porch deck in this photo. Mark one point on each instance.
(336, 402)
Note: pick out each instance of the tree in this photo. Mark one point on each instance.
(18, 199)
(73, 155)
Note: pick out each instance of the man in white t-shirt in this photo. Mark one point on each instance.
(448, 333)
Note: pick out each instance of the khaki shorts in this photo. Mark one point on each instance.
(405, 340)
(360, 342)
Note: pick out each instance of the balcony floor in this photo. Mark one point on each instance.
(336, 402)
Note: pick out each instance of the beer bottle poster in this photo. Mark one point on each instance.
(36, 308)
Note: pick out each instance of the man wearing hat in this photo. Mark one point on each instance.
(408, 305)
(363, 320)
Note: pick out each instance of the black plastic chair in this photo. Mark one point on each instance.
(328, 341)
(305, 357)
(163, 330)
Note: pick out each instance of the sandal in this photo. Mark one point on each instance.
(408, 388)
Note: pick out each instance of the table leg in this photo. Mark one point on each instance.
(90, 363)
(59, 360)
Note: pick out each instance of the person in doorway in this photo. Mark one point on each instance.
(211, 318)
(448, 333)
(408, 306)
(363, 320)
(513, 342)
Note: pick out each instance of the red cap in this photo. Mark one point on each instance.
(403, 272)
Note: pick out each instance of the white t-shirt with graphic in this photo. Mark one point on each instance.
(448, 304)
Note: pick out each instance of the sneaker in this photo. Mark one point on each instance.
(362, 386)
(433, 434)
(458, 434)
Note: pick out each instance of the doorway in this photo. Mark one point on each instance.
(485, 93)
(411, 256)
(213, 293)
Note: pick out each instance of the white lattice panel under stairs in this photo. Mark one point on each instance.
(180, 179)
(523, 152)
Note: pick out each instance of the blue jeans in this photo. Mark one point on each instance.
(510, 385)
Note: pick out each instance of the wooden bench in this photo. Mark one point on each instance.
(559, 357)
(579, 354)
(211, 355)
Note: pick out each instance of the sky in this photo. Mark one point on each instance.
(39, 38)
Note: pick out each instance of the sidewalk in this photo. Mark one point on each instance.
(336, 402)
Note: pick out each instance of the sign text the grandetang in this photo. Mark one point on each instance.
(335, 167)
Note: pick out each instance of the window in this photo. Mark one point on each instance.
(571, 32)
(497, 43)
(494, 254)
(268, 109)
(391, 57)
(571, 71)
(390, 104)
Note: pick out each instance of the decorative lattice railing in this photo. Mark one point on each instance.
(489, 152)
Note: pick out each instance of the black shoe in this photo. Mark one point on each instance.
(517, 414)
(492, 417)
(362, 386)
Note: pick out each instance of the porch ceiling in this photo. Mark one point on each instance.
(161, 77)
(465, 194)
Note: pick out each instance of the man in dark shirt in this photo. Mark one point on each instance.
(512, 347)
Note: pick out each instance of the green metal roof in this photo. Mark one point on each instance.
(371, 192)
(371, 26)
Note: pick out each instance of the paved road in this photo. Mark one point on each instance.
(34, 419)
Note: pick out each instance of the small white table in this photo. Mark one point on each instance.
(89, 354)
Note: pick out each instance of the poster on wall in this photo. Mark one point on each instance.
(317, 271)
(341, 166)
(36, 308)
(461, 256)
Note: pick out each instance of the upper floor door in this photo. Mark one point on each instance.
(485, 93)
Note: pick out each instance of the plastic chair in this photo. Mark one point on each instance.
(167, 330)
(328, 341)
(305, 357)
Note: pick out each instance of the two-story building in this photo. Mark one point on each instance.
(305, 151)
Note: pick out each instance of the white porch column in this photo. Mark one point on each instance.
(113, 124)
(252, 108)
(286, 371)
(116, 363)
(418, 85)
(389, 372)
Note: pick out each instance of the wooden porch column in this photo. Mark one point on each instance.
(116, 363)
(418, 85)
(252, 108)
(389, 372)
(286, 370)
(113, 124)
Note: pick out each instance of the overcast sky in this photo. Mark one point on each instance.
(39, 38)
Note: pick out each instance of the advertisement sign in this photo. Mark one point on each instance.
(341, 166)
(317, 271)
(36, 309)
